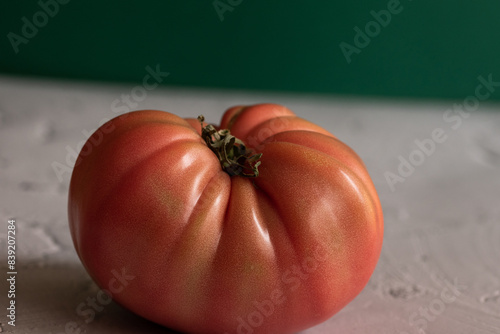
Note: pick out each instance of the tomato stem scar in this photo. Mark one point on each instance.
(235, 159)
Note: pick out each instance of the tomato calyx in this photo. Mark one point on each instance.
(234, 157)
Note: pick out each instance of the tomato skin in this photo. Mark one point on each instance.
(211, 253)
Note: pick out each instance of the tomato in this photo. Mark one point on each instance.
(273, 230)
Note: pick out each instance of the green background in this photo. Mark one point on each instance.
(431, 49)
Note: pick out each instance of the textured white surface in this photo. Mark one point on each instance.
(442, 225)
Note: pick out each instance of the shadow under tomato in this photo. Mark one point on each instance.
(62, 298)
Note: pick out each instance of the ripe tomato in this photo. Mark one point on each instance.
(278, 246)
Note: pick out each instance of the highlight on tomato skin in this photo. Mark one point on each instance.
(266, 223)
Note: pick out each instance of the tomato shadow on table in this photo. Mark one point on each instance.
(62, 298)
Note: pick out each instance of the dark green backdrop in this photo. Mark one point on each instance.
(428, 49)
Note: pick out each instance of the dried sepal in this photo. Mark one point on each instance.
(233, 155)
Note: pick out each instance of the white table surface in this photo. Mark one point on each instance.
(442, 225)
